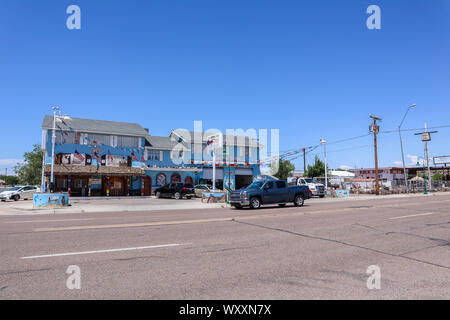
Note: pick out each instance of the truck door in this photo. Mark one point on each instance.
(282, 192)
(269, 193)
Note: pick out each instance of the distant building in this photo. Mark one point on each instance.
(387, 176)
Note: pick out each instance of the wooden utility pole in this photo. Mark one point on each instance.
(375, 129)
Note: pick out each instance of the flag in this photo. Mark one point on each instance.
(111, 158)
(62, 132)
(96, 157)
(78, 155)
(133, 156)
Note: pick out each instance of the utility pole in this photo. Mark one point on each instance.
(375, 129)
(324, 142)
(304, 161)
(426, 136)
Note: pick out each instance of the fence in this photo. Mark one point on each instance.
(386, 187)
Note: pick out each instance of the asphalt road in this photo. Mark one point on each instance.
(319, 251)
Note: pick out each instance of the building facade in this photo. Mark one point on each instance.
(106, 158)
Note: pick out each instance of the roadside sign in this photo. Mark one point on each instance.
(441, 160)
(426, 136)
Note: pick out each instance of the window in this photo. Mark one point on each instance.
(154, 155)
(113, 141)
(281, 184)
(128, 142)
(268, 185)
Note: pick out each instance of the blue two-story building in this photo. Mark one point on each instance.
(106, 158)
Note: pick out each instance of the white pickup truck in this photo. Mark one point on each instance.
(317, 189)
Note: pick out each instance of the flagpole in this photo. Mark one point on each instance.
(52, 188)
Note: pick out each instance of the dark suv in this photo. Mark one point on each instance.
(177, 190)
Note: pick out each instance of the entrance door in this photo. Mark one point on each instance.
(147, 186)
(117, 186)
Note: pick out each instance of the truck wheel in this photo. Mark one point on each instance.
(298, 201)
(255, 203)
(177, 195)
(16, 197)
(321, 196)
(188, 197)
(158, 195)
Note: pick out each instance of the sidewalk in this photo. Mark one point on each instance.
(104, 204)
(129, 204)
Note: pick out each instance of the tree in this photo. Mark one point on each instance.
(10, 180)
(437, 177)
(29, 172)
(317, 170)
(284, 168)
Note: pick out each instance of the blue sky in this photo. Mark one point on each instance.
(309, 68)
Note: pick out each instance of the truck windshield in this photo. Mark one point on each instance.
(256, 184)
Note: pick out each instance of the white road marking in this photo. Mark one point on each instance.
(413, 215)
(101, 251)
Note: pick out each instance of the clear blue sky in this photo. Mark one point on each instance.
(309, 68)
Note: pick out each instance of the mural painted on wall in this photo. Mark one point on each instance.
(175, 178)
(161, 179)
(188, 180)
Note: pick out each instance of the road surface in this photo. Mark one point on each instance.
(320, 251)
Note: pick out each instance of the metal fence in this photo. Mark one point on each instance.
(386, 187)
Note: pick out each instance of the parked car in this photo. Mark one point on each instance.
(177, 190)
(317, 189)
(200, 188)
(269, 192)
(20, 192)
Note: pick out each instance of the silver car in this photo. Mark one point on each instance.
(16, 193)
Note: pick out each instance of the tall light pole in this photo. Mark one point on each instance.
(55, 116)
(401, 146)
(324, 142)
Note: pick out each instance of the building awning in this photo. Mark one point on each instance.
(94, 170)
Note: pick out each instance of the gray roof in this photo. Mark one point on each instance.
(240, 139)
(99, 126)
(158, 142)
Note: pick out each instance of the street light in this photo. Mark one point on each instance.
(55, 116)
(324, 142)
(401, 146)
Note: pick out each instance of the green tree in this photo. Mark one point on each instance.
(10, 180)
(317, 170)
(29, 172)
(437, 177)
(284, 168)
